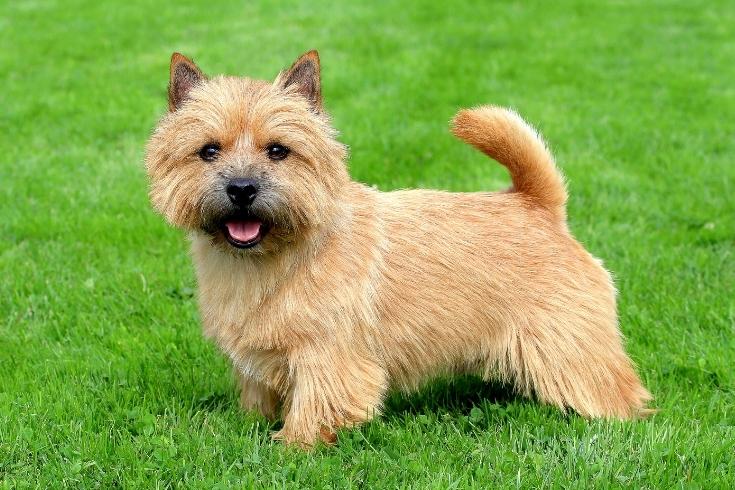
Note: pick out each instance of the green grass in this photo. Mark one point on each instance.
(105, 380)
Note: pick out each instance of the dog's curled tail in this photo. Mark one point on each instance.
(504, 136)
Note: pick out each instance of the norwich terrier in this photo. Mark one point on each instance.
(326, 293)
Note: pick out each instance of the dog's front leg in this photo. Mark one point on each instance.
(254, 395)
(329, 389)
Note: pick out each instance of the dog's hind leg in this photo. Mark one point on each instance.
(577, 366)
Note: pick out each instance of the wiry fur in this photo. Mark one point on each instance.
(355, 291)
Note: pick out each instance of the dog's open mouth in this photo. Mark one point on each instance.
(244, 233)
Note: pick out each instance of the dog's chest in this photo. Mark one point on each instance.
(232, 304)
(259, 312)
(238, 315)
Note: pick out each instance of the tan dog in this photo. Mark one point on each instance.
(326, 293)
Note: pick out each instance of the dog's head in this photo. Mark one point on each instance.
(252, 164)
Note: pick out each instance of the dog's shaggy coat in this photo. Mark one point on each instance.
(353, 291)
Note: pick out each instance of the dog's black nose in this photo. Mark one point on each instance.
(242, 191)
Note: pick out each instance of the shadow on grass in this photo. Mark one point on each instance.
(462, 404)
(456, 395)
(215, 402)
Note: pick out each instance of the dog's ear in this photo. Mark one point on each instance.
(184, 76)
(305, 75)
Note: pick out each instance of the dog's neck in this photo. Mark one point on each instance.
(261, 274)
(242, 295)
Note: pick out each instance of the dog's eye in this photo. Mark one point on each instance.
(209, 152)
(277, 151)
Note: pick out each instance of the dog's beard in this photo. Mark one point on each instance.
(230, 226)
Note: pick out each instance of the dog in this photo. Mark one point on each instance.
(326, 293)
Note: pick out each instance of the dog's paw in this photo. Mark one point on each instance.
(303, 440)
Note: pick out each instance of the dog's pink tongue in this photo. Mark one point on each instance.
(243, 231)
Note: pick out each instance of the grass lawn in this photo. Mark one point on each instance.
(105, 379)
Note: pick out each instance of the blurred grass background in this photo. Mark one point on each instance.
(105, 380)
